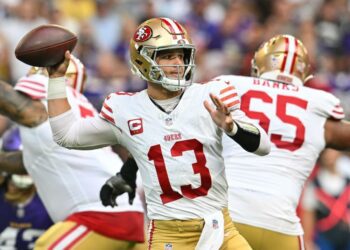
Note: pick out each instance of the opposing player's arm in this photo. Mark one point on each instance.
(12, 162)
(337, 134)
(21, 108)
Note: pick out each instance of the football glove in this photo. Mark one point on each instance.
(114, 187)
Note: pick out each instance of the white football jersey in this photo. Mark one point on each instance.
(264, 191)
(179, 154)
(67, 181)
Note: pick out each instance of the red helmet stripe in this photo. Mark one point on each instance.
(180, 28)
(78, 83)
(174, 28)
(75, 78)
(294, 56)
(289, 54)
(285, 54)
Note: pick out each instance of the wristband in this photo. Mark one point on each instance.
(233, 131)
(247, 136)
(57, 88)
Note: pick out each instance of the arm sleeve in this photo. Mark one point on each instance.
(87, 133)
(250, 136)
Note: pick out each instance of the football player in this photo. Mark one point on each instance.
(68, 181)
(174, 130)
(300, 121)
(23, 215)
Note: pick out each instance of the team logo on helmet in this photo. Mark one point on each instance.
(143, 34)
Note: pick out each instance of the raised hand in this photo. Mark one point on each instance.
(221, 115)
(61, 68)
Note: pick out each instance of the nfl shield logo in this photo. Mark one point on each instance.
(168, 246)
(215, 224)
(168, 121)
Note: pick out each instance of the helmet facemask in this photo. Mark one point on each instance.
(157, 72)
(161, 35)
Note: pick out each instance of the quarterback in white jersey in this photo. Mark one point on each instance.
(68, 181)
(264, 192)
(174, 133)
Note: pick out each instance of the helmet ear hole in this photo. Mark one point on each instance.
(138, 62)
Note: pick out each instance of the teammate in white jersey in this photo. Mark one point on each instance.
(300, 121)
(68, 181)
(174, 130)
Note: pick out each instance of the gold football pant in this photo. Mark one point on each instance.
(263, 239)
(70, 235)
(184, 234)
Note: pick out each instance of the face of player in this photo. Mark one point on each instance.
(172, 63)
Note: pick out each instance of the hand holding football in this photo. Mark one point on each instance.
(45, 45)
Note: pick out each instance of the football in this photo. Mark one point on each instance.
(45, 45)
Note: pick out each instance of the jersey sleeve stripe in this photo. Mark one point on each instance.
(340, 112)
(105, 106)
(228, 97)
(30, 87)
(107, 117)
(338, 115)
(32, 93)
(232, 104)
(223, 91)
(31, 82)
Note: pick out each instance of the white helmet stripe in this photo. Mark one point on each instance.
(291, 50)
(174, 28)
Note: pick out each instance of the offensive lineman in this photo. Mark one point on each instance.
(300, 121)
(174, 133)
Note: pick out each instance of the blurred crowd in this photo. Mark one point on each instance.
(226, 34)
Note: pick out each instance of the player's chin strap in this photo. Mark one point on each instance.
(212, 235)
